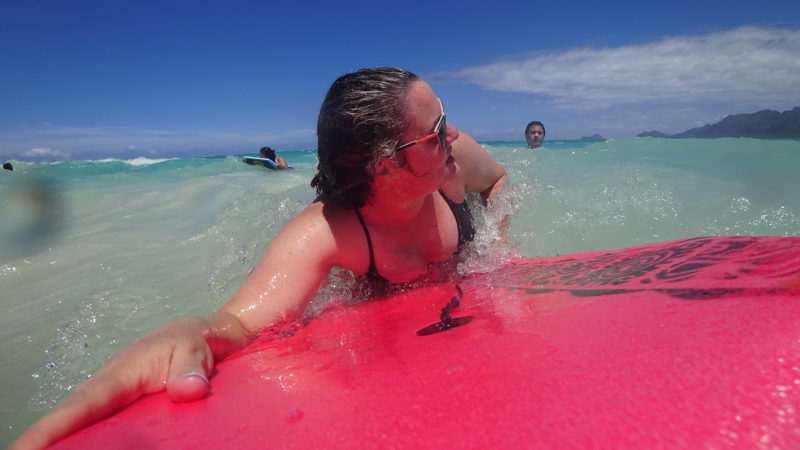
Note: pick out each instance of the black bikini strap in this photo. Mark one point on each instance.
(372, 268)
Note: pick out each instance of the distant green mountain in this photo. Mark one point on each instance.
(653, 133)
(766, 124)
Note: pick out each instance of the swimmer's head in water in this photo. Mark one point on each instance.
(534, 134)
(360, 122)
(267, 152)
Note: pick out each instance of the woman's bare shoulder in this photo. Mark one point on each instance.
(337, 232)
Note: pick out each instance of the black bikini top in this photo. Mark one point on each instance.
(466, 232)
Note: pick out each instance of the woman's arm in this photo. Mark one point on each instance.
(479, 172)
(292, 269)
(179, 355)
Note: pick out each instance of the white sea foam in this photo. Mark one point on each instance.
(141, 161)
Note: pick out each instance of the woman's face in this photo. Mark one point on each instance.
(427, 160)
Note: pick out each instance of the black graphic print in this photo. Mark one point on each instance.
(691, 269)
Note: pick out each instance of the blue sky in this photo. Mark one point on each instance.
(86, 79)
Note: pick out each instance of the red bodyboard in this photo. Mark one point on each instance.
(690, 343)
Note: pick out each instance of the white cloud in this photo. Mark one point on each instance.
(750, 66)
(45, 153)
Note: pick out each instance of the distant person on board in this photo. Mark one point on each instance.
(269, 153)
(391, 183)
(534, 134)
(8, 166)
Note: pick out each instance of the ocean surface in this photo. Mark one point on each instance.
(96, 253)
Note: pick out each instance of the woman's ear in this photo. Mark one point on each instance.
(390, 175)
(386, 165)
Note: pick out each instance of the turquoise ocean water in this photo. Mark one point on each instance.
(96, 253)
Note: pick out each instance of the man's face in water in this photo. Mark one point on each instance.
(535, 136)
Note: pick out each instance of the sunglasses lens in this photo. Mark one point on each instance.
(442, 132)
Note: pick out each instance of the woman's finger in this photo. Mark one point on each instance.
(188, 372)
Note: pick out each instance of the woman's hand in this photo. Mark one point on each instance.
(177, 356)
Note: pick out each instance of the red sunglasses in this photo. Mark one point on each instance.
(440, 131)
